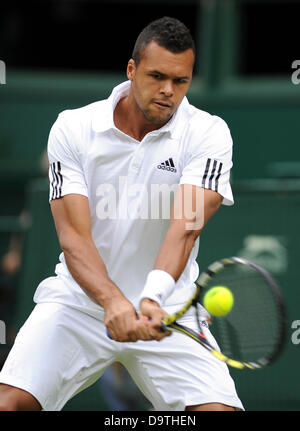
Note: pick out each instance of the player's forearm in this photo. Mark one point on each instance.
(182, 233)
(170, 263)
(88, 269)
(179, 242)
(175, 251)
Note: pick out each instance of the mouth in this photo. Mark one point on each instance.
(162, 105)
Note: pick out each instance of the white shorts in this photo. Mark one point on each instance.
(60, 351)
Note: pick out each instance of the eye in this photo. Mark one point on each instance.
(180, 80)
(156, 76)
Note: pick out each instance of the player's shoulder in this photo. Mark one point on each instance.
(200, 125)
(81, 116)
(199, 120)
(203, 130)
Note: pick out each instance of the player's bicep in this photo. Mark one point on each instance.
(193, 207)
(72, 218)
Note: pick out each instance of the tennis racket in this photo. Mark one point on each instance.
(252, 334)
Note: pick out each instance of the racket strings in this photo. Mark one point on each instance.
(251, 329)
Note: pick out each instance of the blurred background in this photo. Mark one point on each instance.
(62, 54)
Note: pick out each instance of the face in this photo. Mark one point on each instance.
(159, 82)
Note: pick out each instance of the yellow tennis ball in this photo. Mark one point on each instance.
(218, 301)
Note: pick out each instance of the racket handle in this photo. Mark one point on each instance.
(163, 327)
(108, 334)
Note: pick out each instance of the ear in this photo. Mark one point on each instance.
(131, 68)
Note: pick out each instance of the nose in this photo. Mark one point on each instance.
(167, 88)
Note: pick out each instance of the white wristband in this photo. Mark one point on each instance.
(159, 285)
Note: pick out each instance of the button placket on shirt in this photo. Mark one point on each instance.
(139, 155)
(138, 160)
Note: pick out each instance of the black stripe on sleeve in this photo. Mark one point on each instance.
(60, 179)
(57, 180)
(218, 176)
(53, 181)
(206, 172)
(212, 174)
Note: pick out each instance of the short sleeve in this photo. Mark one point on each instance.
(66, 175)
(209, 160)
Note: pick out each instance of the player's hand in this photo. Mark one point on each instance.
(151, 310)
(123, 323)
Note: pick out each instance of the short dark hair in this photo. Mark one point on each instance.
(170, 33)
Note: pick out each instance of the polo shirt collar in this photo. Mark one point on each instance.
(103, 118)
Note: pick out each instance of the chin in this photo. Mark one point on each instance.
(157, 121)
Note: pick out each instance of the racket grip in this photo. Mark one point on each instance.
(163, 327)
(108, 334)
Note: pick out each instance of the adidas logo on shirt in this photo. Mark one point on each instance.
(167, 165)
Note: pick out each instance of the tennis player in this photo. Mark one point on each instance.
(115, 166)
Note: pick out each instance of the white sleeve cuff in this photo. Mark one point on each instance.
(159, 285)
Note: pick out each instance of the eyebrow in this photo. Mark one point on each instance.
(166, 76)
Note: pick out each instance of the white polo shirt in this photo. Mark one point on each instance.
(128, 185)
